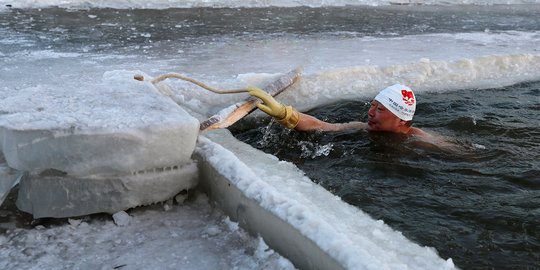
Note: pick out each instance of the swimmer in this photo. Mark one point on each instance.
(392, 110)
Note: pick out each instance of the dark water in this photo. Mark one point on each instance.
(479, 205)
(127, 31)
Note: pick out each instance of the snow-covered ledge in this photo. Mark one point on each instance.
(297, 218)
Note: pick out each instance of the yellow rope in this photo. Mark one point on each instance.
(182, 77)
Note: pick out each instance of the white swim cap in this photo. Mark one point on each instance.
(399, 99)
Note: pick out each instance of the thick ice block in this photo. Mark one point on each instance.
(101, 152)
(116, 125)
(55, 194)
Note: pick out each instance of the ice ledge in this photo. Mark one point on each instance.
(299, 219)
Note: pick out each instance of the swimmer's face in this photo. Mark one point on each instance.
(381, 119)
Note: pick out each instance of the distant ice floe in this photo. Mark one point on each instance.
(163, 4)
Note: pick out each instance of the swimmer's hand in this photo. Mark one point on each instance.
(286, 115)
(269, 105)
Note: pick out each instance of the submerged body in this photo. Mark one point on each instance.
(391, 111)
(379, 119)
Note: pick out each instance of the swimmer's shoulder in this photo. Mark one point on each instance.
(435, 141)
(420, 133)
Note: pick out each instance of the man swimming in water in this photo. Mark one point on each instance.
(391, 110)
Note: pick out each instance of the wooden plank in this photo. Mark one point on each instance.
(239, 110)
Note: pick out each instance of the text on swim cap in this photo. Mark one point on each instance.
(399, 107)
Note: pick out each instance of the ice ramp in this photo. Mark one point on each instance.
(297, 218)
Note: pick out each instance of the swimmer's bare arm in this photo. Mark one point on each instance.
(309, 123)
(291, 118)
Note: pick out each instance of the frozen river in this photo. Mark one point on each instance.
(57, 59)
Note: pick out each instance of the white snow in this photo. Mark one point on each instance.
(192, 236)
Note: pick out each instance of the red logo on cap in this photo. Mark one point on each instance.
(408, 97)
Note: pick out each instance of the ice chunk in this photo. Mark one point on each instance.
(121, 218)
(180, 198)
(212, 230)
(74, 222)
(117, 125)
(101, 152)
(8, 179)
(56, 194)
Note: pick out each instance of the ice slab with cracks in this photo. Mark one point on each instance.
(117, 125)
(102, 147)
